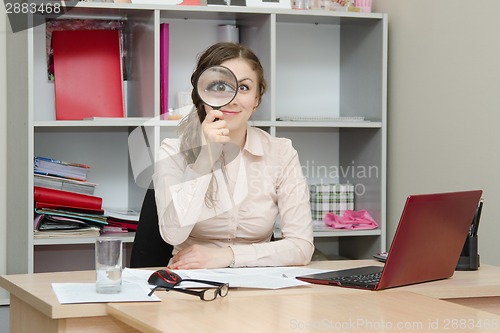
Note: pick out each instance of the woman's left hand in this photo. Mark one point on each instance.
(198, 256)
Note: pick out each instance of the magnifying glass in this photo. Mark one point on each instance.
(217, 86)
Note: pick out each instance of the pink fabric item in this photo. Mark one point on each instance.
(352, 219)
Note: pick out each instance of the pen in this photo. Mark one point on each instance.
(473, 224)
(477, 218)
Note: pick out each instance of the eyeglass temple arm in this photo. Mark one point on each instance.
(212, 283)
(186, 291)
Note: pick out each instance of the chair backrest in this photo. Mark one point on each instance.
(149, 248)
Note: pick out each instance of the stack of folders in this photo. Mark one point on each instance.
(61, 213)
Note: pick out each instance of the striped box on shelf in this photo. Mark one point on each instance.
(335, 198)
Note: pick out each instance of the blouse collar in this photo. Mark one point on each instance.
(252, 144)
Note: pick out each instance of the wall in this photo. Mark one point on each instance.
(3, 150)
(444, 105)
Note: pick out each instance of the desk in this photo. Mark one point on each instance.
(361, 312)
(32, 297)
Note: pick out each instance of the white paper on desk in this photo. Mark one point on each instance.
(247, 277)
(250, 277)
(68, 293)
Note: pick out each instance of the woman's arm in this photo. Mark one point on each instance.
(179, 191)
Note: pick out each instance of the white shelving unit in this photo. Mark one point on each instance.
(318, 64)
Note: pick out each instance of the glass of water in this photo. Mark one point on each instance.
(108, 265)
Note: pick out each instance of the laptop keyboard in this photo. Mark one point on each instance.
(362, 279)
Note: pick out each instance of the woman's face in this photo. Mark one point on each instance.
(237, 113)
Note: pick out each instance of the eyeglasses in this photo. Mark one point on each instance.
(207, 294)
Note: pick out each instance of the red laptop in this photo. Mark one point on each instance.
(426, 246)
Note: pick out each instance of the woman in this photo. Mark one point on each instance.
(221, 186)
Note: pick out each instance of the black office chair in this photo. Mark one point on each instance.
(149, 249)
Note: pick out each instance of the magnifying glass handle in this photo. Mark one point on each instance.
(216, 119)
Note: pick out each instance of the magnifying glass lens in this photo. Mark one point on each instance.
(217, 86)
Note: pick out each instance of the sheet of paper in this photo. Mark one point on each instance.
(85, 293)
(258, 277)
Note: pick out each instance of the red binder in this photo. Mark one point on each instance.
(65, 198)
(88, 74)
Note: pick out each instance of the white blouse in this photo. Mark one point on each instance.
(263, 181)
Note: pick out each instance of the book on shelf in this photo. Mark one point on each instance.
(65, 198)
(126, 220)
(62, 216)
(125, 225)
(52, 167)
(171, 2)
(321, 119)
(65, 184)
(88, 74)
(122, 214)
(113, 229)
(164, 49)
(59, 24)
(46, 221)
(83, 232)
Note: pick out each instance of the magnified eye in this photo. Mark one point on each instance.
(220, 87)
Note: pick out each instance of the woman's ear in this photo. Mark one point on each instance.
(257, 103)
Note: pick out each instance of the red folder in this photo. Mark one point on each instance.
(129, 225)
(164, 44)
(88, 74)
(52, 206)
(65, 198)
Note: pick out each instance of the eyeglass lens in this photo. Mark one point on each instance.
(208, 294)
(223, 290)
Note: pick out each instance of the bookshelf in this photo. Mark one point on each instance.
(318, 64)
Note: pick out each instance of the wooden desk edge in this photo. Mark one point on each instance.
(55, 310)
(25, 296)
(127, 320)
(139, 318)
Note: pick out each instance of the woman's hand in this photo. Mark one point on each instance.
(215, 131)
(199, 256)
(215, 134)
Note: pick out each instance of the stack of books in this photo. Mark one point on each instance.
(60, 175)
(65, 204)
